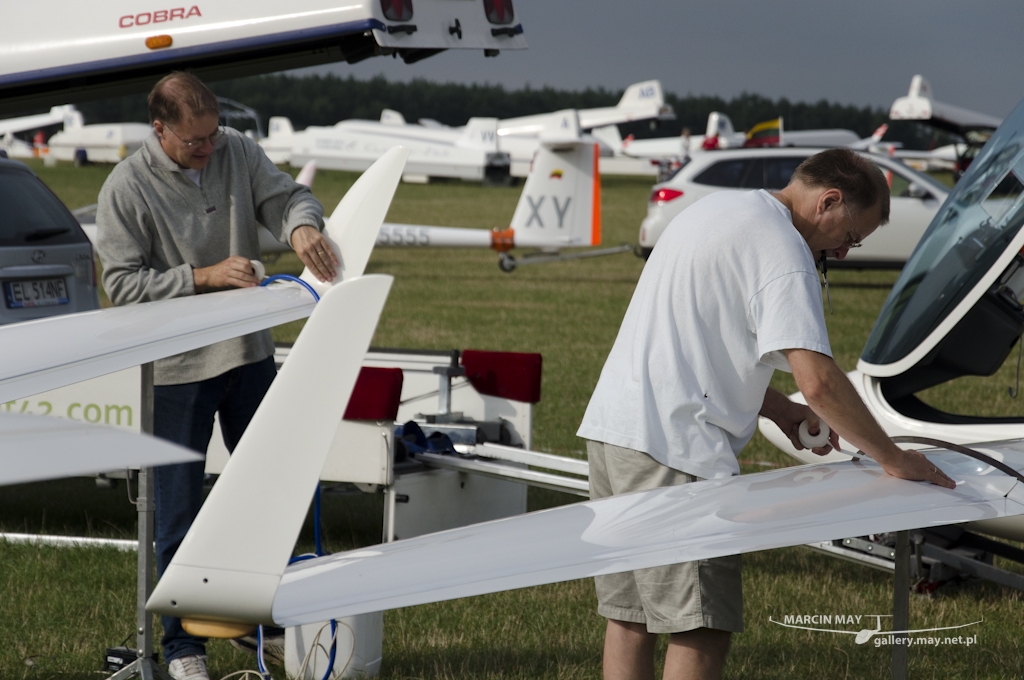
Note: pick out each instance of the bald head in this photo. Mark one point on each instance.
(180, 98)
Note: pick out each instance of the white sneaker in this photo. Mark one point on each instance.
(189, 668)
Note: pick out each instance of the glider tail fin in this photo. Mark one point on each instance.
(479, 133)
(561, 201)
(279, 126)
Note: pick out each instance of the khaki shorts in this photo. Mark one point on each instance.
(670, 599)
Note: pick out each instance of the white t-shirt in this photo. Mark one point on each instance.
(730, 284)
(194, 175)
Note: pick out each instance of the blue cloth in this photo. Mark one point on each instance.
(183, 414)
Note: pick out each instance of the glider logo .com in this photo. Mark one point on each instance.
(856, 626)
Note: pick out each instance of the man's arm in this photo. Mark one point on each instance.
(291, 213)
(830, 394)
(788, 415)
(124, 245)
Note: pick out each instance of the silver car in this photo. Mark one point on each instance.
(46, 261)
(914, 197)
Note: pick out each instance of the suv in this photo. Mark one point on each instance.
(46, 261)
(915, 197)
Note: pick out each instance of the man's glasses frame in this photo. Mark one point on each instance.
(193, 143)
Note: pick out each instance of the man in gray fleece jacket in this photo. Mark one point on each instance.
(179, 217)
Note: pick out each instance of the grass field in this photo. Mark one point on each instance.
(59, 608)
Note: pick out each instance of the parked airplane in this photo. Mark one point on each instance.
(109, 49)
(100, 142)
(232, 573)
(974, 127)
(955, 310)
(14, 147)
(720, 134)
(483, 149)
(232, 570)
(56, 116)
(559, 208)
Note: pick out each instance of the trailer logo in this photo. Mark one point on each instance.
(158, 16)
(881, 637)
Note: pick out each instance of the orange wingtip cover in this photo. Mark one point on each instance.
(503, 240)
(217, 629)
(158, 42)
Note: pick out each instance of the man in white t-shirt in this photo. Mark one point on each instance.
(730, 294)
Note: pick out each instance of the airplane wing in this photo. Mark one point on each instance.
(703, 520)
(82, 346)
(36, 448)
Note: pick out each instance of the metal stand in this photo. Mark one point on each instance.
(145, 666)
(901, 604)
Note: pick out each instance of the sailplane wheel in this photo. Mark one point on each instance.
(506, 263)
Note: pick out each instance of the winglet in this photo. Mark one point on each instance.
(352, 229)
(229, 565)
(307, 174)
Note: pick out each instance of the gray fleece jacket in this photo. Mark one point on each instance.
(154, 225)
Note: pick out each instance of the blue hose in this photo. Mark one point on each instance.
(318, 540)
(289, 277)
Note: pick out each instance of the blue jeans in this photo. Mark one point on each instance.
(183, 414)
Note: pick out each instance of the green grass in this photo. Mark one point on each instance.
(62, 607)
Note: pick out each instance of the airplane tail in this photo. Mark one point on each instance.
(719, 133)
(645, 96)
(560, 205)
(391, 117)
(561, 201)
(610, 137)
(479, 133)
(73, 119)
(874, 139)
(279, 125)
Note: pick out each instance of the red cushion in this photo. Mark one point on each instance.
(511, 375)
(376, 395)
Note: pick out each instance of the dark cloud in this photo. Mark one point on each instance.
(861, 53)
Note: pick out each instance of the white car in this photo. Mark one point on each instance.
(915, 198)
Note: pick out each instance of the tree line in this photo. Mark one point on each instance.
(327, 99)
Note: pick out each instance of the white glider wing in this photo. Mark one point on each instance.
(49, 353)
(707, 519)
(36, 448)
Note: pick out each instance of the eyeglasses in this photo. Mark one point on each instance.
(192, 143)
(852, 239)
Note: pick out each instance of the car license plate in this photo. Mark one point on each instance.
(35, 293)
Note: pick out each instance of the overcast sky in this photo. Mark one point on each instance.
(861, 53)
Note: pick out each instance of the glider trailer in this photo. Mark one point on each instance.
(96, 51)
